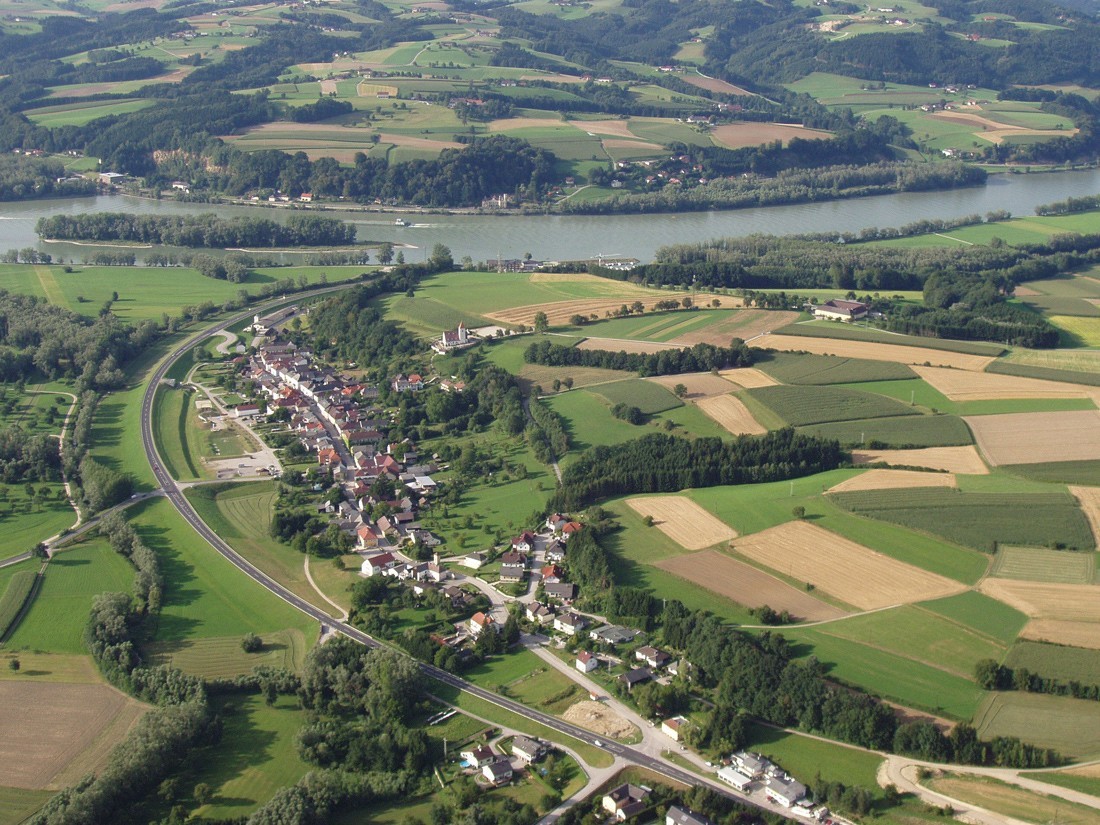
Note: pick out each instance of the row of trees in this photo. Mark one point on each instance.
(659, 463)
(699, 358)
(206, 230)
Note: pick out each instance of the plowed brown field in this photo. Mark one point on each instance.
(683, 521)
(964, 460)
(746, 585)
(851, 572)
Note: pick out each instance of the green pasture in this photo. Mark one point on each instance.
(427, 316)
(908, 431)
(27, 520)
(1069, 726)
(648, 396)
(1065, 472)
(85, 111)
(526, 678)
(855, 332)
(241, 514)
(978, 520)
(919, 392)
(907, 681)
(177, 433)
(800, 406)
(840, 90)
(981, 613)
(256, 756)
(920, 635)
(59, 612)
(206, 597)
(1067, 664)
(222, 657)
(17, 588)
(1082, 782)
(18, 804)
(794, 368)
(1042, 565)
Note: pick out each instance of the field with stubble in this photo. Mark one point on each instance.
(843, 569)
(1038, 438)
(732, 414)
(988, 386)
(964, 460)
(683, 521)
(893, 480)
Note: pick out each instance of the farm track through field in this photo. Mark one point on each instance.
(50, 286)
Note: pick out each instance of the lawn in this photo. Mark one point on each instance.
(25, 521)
(906, 681)
(792, 368)
(800, 406)
(804, 758)
(59, 612)
(1069, 726)
(526, 678)
(241, 514)
(177, 434)
(897, 432)
(206, 597)
(978, 520)
(981, 613)
(257, 755)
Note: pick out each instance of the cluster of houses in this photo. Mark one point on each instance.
(496, 768)
(628, 801)
(747, 769)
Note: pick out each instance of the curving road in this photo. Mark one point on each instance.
(174, 494)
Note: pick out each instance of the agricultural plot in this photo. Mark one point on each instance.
(984, 386)
(1056, 662)
(789, 368)
(1012, 801)
(745, 324)
(801, 406)
(1089, 500)
(717, 573)
(683, 521)
(1034, 438)
(896, 434)
(222, 658)
(808, 553)
(697, 384)
(739, 135)
(980, 613)
(1041, 565)
(921, 394)
(625, 345)
(1082, 332)
(963, 460)
(825, 338)
(17, 589)
(647, 396)
(748, 378)
(1060, 472)
(55, 733)
(1063, 632)
(1070, 726)
(732, 414)
(978, 520)
(893, 480)
(1047, 600)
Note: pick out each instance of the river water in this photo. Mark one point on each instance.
(554, 237)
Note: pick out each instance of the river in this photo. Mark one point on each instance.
(555, 237)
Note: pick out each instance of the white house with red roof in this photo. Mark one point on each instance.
(374, 565)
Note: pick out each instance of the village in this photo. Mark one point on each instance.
(340, 421)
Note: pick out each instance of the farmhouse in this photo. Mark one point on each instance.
(625, 801)
(527, 750)
(682, 816)
(373, 565)
(838, 310)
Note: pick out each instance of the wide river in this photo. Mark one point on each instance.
(552, 237)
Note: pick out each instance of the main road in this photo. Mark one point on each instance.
(175, 495)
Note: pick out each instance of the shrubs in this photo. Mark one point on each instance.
(251, 643)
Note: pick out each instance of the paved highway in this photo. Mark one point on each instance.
(180, 502)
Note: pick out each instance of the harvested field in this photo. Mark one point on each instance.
(683, 521)
(747, 324)
(1061, 632)
(614, 128)
(558, 312)
(963, 460)
(713, 84)
(878, 352)
(699, 384)
(1038, 564)
(732, 414)
(599, 719)
(1037, 438)
(1047, 600)
(849, 571)
(619, 143)
(55, 732)
(510, 124)
(328, 87)
(746, 585)
(1026, 292)
(748, 377)
(999, 135)
(738, 135)
(1089, 499)
(988, 386)
(892, 480)
(626, 345)
(531, 374)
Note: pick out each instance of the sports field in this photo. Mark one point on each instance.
(840, 567)
(683, 521)
(56, 733)
(1032, 438)
(718, 573)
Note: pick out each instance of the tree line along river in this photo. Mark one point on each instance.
(562, 237)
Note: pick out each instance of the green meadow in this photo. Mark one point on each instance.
(1069, 726)
(27, 520)
(920, 393)
(982, 614)
(1066, 664)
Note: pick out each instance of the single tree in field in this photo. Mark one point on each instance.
(680, 390)
(542, 323)
(203, 793)
(14, 665)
